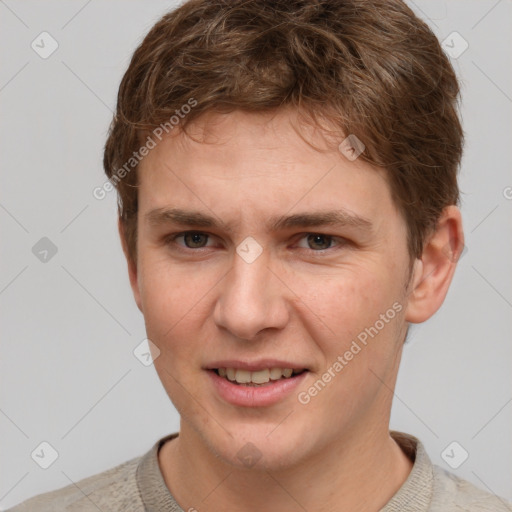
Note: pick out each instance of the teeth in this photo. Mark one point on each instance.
(258, 377)
(243, 376)
(275, 373)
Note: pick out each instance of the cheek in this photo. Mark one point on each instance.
(343, 304)
(172, 302)
(174, 309)
(356, 344)
(352, 314)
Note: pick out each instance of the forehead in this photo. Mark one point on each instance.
(279, 137)
(257, 162)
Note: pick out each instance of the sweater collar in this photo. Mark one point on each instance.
(414, 494)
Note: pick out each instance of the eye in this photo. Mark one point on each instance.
(318, 242)
(191, 239)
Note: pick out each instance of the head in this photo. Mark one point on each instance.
(328, 133)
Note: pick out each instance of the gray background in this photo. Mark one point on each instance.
(69, 325)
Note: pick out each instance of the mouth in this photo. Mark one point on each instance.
(259, 378)
(256, 383)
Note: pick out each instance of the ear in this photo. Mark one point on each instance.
(132, 266)
(433, 272)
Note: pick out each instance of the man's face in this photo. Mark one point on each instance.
(297, 294)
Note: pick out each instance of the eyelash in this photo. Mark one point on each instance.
(320, 252)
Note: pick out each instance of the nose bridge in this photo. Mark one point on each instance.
(250, 299)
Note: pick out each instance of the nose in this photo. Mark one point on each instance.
(251, 299)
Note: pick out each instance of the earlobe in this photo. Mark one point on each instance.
(434, 271)
(132, 266)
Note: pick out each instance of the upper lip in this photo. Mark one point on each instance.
(254, 366)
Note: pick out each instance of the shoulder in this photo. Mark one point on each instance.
(114, 489)
(452, 493)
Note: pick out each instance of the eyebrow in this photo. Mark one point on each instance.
(340, 217)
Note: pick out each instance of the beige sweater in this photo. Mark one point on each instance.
(138, 486)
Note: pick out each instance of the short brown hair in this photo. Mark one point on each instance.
(371, 67)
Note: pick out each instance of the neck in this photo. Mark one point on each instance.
(356, 473)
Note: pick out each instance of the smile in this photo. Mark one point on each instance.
(258, 388)
(256, 378)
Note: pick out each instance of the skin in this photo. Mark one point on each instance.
(304, 299)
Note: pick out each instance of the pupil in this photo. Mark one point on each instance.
(194, 239)
(319, 240)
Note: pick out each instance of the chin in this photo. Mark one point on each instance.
(258, 447)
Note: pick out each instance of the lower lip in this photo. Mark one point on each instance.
(255, 396)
